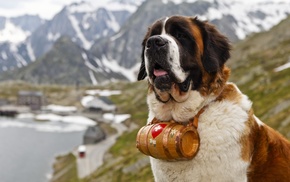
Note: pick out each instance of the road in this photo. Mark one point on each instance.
(95, 153)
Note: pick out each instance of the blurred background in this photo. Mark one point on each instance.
(70, 105)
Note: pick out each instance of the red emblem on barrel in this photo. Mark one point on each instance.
(157, 129)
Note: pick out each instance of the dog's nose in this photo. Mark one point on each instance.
(156, 41)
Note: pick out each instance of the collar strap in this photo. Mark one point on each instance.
(194, 121)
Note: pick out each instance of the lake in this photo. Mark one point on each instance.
(28, 148)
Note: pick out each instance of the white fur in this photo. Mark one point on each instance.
(180, 112)
(147, 68)
(174, 59)
(163, 28)
(220, 127)
(246, 104)
(259, 122)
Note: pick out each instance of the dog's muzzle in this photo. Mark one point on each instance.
(166, 85)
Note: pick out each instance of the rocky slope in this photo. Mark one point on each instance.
(65, 64)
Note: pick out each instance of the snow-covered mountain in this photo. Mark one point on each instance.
(111, 32)
(14, 53)
(65, 63)
(84, 22)
(236, 19)
(17, 29)
(248, 16)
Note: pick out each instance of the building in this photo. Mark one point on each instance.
(93, 135)
(32, 99)
(100, 104)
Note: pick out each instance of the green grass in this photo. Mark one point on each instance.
(65, 169)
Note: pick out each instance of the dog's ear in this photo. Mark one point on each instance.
(142, 71)
(216, 48)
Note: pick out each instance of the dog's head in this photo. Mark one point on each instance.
(181, 54)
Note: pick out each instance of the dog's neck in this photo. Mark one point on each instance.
(179, 112)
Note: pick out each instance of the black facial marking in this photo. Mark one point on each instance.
(163, 83)
(179, 29)
(185, 85)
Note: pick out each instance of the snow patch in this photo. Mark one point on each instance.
(86, 99)
(47, 117)
(113, 23)
(116, 118)
(105, 93)
(4, 55)
(78, 120)
(12, 33)
(51, 126)
(30, 52)
(86, 44)
(53, 37)
(214, 14)
(114, 66)
(93, 5)
(93, 78)
(84, 7)
(283, 67)
(20, 60)
(60, 109)
(116, 36)
(88, 63)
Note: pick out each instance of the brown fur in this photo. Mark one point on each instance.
(270, 155)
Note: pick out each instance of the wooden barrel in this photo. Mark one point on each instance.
(168, 141)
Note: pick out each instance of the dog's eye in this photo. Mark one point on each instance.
(180, 35)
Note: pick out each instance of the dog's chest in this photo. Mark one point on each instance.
(219, 158)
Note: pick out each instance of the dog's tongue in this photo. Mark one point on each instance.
(158, 72)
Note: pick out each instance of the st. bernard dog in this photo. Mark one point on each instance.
(183, 59)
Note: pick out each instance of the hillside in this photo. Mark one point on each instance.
(253, 63)
(65, 64)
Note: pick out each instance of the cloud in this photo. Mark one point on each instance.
(44, 8)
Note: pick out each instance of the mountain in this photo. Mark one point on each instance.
(17, 29)
(236, 19)
(14, 53)
(112, 32)
(66, 64)
(84, 22)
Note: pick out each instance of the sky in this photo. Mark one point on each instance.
(44, 8)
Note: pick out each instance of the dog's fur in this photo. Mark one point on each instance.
(183, 59)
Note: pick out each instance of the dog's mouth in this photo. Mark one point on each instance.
(166, 85)
(159, 72)
(162, 78)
